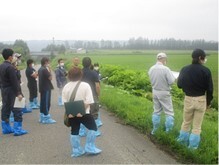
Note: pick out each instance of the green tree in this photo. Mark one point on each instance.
(21, 47)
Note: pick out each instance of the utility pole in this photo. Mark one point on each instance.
(53, 45)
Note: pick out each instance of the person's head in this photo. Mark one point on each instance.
(14, 61)
(44, 61)
(7, 54)
(162, 57)
(18, 56)
(86, 62)
(30, 63)
(75, 74)
(76, 61)
(96, 66)
(198, 56)
(61, 62)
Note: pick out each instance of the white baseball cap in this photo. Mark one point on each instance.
(161, 55)
(17, 55)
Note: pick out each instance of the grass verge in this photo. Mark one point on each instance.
(137, 112)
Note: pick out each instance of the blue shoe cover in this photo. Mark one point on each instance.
(194, 141)
(18, 131)
(97, 133)
(183, 138)
(77, 150)
(33, 106)
(60, 103)
(82, 131)
(156, 123)
(98, 122)
(26, 109)
(11, 118)
(48, 120)
(35, 101)
(6, 128)
(169, 123)
(90, 147)
(41, 117)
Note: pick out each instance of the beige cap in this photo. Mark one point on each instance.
(161, 55)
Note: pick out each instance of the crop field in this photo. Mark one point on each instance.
(144, 59)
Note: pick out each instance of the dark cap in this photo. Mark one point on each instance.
(198, 53)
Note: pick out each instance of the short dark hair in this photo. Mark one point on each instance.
(29, 61)
(7, 52)
(75, 74)
(196, 54)
(60, 60)
(86, 62)
(44, 60)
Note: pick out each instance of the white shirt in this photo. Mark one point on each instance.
(83, 93)
(161, 77)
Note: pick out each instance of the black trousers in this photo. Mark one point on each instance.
(45, 99)
(32, 91)
(8, 98)
(87, 120)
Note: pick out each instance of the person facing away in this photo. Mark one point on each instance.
(196, 82)
(32, 75)
(91, 77)
(10, 89)
(83, 93)
(161, 79)
(61, 79)
(45, 87)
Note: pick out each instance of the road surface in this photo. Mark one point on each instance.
(49, 144)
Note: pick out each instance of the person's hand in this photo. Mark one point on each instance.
(70, 116)
(20, 97)
(79, 115)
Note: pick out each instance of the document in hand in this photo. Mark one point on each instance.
(75, 107)
(175, 74)
(18, 103)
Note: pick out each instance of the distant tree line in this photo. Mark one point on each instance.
(144, 43)
(19, 46)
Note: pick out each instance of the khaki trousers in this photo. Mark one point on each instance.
(194, 110)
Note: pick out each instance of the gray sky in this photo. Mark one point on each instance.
(108, 19)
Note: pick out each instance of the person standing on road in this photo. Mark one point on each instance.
(32, 75)
(76, 61)
(10, 89)
(83, 93)
(161, 79)
(45, 87)
(97, 70)
(92, 78)
(196, 82)
(61, 79)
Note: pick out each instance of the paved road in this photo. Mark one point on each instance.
(49, 144)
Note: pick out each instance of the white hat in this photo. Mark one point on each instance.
(17, 55)
(161, 55)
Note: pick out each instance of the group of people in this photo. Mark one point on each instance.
(196, 82)
(88, 81)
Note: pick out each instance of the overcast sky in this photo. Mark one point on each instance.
(108, 19)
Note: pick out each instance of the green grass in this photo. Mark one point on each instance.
(137, 112)
(144, 59)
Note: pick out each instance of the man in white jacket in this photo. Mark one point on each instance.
(161, 79)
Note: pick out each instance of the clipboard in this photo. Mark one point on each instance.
(75, 107)
(19, 104)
